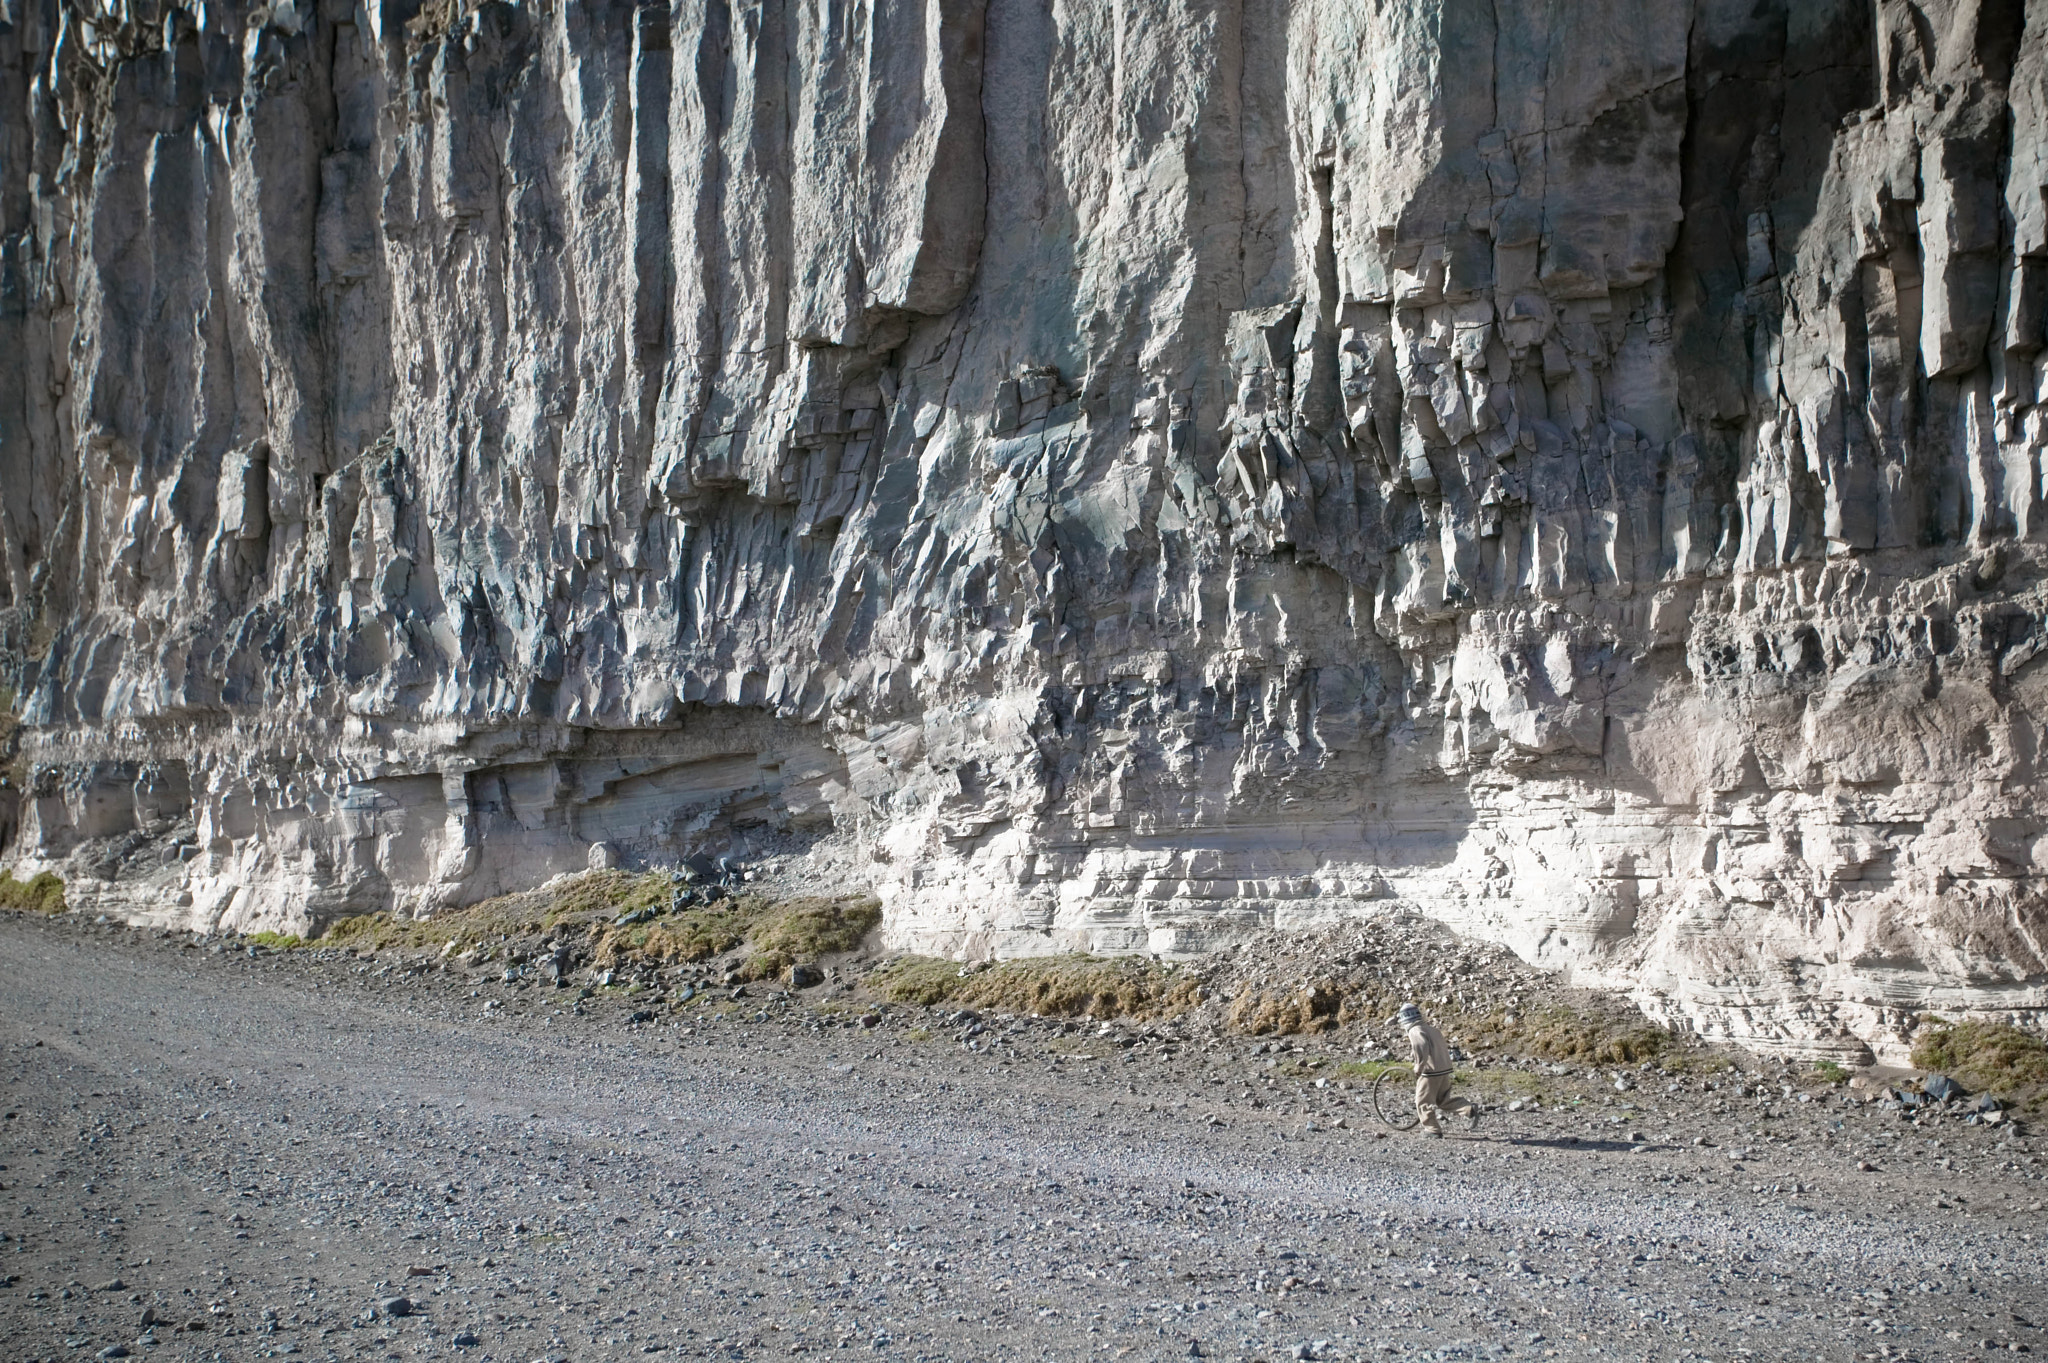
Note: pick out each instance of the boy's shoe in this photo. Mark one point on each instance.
(1472, 1118)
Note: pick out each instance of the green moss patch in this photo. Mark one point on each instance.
(1365, 1069)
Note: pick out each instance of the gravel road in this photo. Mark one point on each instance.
(210, 1154)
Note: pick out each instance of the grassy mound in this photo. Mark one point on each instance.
(1988, 1057)
(1587, 1036)
(579, 901)
(1051, 986)
(920, 979)
(1311, 1008)
(1592, 1034)
(805, 929)
(622, 919)
(694, 934)
(40, 893)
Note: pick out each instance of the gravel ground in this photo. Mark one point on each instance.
(214, 1154)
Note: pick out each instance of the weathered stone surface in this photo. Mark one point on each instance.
(1122, 474)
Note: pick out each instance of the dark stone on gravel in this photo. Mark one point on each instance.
(1940, 1088)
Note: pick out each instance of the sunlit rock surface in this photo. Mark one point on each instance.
(1122, 475)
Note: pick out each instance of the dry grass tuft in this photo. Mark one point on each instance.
(1051, 986)
(802, 930)
(1317, 1007)
(923, 980)
(1591, 1036)
(40, 893)
(1988, 1057)
(581, 901)
(583, 897)
(694, 934)
(588, 907)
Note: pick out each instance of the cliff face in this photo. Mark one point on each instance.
(1130, 473)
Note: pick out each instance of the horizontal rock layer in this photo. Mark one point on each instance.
(1130, 474)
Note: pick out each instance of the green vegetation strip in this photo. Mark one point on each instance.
(624, 919)
(40, 893)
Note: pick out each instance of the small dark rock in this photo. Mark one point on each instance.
(643, 1015)
(395, 1307)
(803, 976)
(465, 1340)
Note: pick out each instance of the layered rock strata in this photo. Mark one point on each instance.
(1132, 474)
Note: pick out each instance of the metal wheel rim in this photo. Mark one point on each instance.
(1391, 1089)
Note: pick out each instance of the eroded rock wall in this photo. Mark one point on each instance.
(1129, 475)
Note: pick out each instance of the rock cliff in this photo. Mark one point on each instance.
(1124, 474)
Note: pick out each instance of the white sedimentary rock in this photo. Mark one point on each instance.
(1133, 472)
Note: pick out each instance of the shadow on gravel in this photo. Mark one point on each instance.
(1562, 1143)
(1580, 1143)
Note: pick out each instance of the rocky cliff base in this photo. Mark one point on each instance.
(1112, 481)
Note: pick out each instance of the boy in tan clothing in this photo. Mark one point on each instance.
(1433, 1074)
